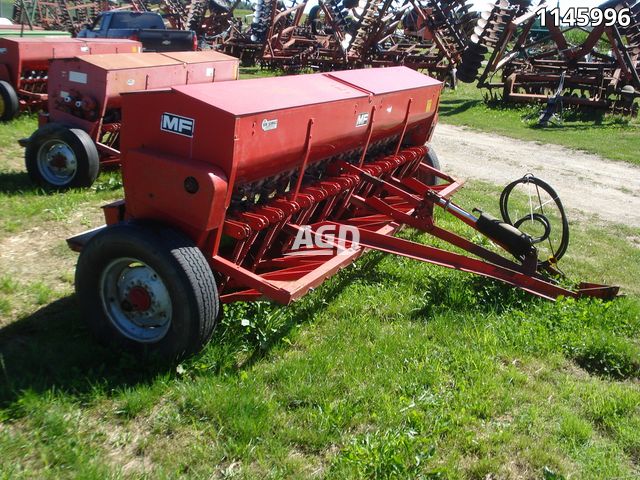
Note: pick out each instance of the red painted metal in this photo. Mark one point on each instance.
(85, 92)
(24, 62)
(244, 109)
(268, 159)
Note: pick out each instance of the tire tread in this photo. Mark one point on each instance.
(12, 103)
(192, 273)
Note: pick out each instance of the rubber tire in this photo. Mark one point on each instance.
(83, 147)
(10, 99)
(184, 271)
(432, 160)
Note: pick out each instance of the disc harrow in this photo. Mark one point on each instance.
(427, 35)
(601, 71)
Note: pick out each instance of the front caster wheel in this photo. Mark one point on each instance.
(147, 288)
(59, 158)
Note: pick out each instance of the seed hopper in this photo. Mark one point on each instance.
(24, 66)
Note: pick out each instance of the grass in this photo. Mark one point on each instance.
(19, 214)
(7, 9)
(613, 137)
(392, 369)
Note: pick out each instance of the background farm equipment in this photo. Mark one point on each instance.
(82, 128)
(598, 68)
(280, 37)
(69, 15)
(24, 67)
(343, 34)
(262, 189)
(207, 18)
(427, 35)
(20, 30)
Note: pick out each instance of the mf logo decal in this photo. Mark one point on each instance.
(363, 119)
(177, 124)
(3, 50)
(269, 124)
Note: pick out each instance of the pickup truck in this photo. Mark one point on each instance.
(146, 27)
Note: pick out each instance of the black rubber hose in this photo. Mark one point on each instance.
(561, 249)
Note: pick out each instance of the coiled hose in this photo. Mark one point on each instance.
(538, 215)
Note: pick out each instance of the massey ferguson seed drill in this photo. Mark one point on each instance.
(24, 66)
(263, 189)
(81, 130)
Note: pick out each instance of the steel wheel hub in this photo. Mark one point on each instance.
(136, 300)
(57, 162)
(139, 299)
(1, 106)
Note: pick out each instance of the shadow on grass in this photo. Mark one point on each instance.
(18, 183)
(449, 108)
(52, 350)
(573, 119)
(13, 183)
(446, 290)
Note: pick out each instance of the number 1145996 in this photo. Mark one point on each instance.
(585, 17)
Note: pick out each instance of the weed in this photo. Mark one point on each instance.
(604, 354)
(383, 455)
(8, 285)
(41, 292)
(5, 306)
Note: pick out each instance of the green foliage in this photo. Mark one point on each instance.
(607, 355)
(384, 455)
(108, 182)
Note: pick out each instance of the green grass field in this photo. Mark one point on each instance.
(614, 137)
(392, 369)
